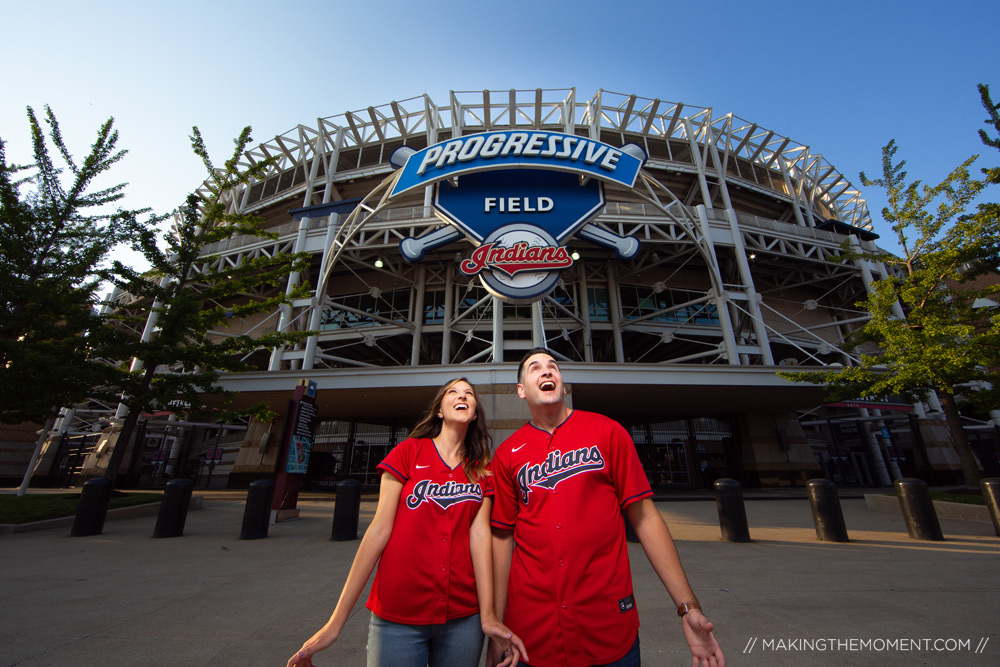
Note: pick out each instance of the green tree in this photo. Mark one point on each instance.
(926, 331)
(194, 297)
(56, 230)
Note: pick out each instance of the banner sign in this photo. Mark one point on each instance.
(301, 441)
(298, 455)
(510, 149)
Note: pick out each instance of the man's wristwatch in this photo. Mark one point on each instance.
(685, 607)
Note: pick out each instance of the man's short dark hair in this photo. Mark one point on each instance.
(527, 355)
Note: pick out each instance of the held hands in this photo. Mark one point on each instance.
(498, 656)
(505, 648)
(698, 632)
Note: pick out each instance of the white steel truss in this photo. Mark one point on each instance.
(721, 198)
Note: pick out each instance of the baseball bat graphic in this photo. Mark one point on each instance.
(413, 248)
(625, 246)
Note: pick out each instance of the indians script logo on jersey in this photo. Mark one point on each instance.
(556, 468)
(443, 495)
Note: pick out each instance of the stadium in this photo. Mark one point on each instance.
(696, 255)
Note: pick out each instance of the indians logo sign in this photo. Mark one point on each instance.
(519, 197)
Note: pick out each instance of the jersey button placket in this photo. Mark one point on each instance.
(557, 502)
(447, 544)
(444, 552)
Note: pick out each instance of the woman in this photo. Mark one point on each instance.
(424, 602)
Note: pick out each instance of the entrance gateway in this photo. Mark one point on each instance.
(519, 197)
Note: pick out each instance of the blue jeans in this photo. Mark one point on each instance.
(454, 643)
(630, 659)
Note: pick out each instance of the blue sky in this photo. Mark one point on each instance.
(843, 78)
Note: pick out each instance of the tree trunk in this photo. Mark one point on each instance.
(970, 468)
(121, 446)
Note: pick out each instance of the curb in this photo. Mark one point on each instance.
(943, 508)
(134, 512)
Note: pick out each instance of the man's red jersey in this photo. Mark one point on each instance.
(569, 595)
(425, 574)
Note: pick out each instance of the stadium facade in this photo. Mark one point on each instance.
(672, 258)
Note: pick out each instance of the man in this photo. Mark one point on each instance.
(561, 570)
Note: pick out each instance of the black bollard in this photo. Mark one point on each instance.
(827, 515)
(991, 494)
(92, 508)
(732, 513)
(918, 509)
(174, 508)
(346, 511)
(257, 513)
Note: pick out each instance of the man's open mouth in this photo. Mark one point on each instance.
(548, 385)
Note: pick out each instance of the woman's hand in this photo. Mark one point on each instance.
(319, 641)
(301, 659)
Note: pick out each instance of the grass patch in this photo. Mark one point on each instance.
(42, 506)
(967, 496)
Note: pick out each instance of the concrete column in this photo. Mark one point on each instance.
(497, 330)
(941, 453)
(584, 301)
(449, 309)
(874, 450)
(616, 314)
(176, 441)
(418, 314)
(775, 450)
(506, 412)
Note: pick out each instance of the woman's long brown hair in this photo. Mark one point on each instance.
(478, 443)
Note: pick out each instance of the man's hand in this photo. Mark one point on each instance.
(496, 656)
(510, 645)
(698, 632)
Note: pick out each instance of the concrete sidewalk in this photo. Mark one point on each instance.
(207, 598)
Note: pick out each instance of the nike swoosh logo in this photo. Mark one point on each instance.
(517, 448)
(427, 466)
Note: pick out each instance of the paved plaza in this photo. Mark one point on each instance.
(209, 598)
